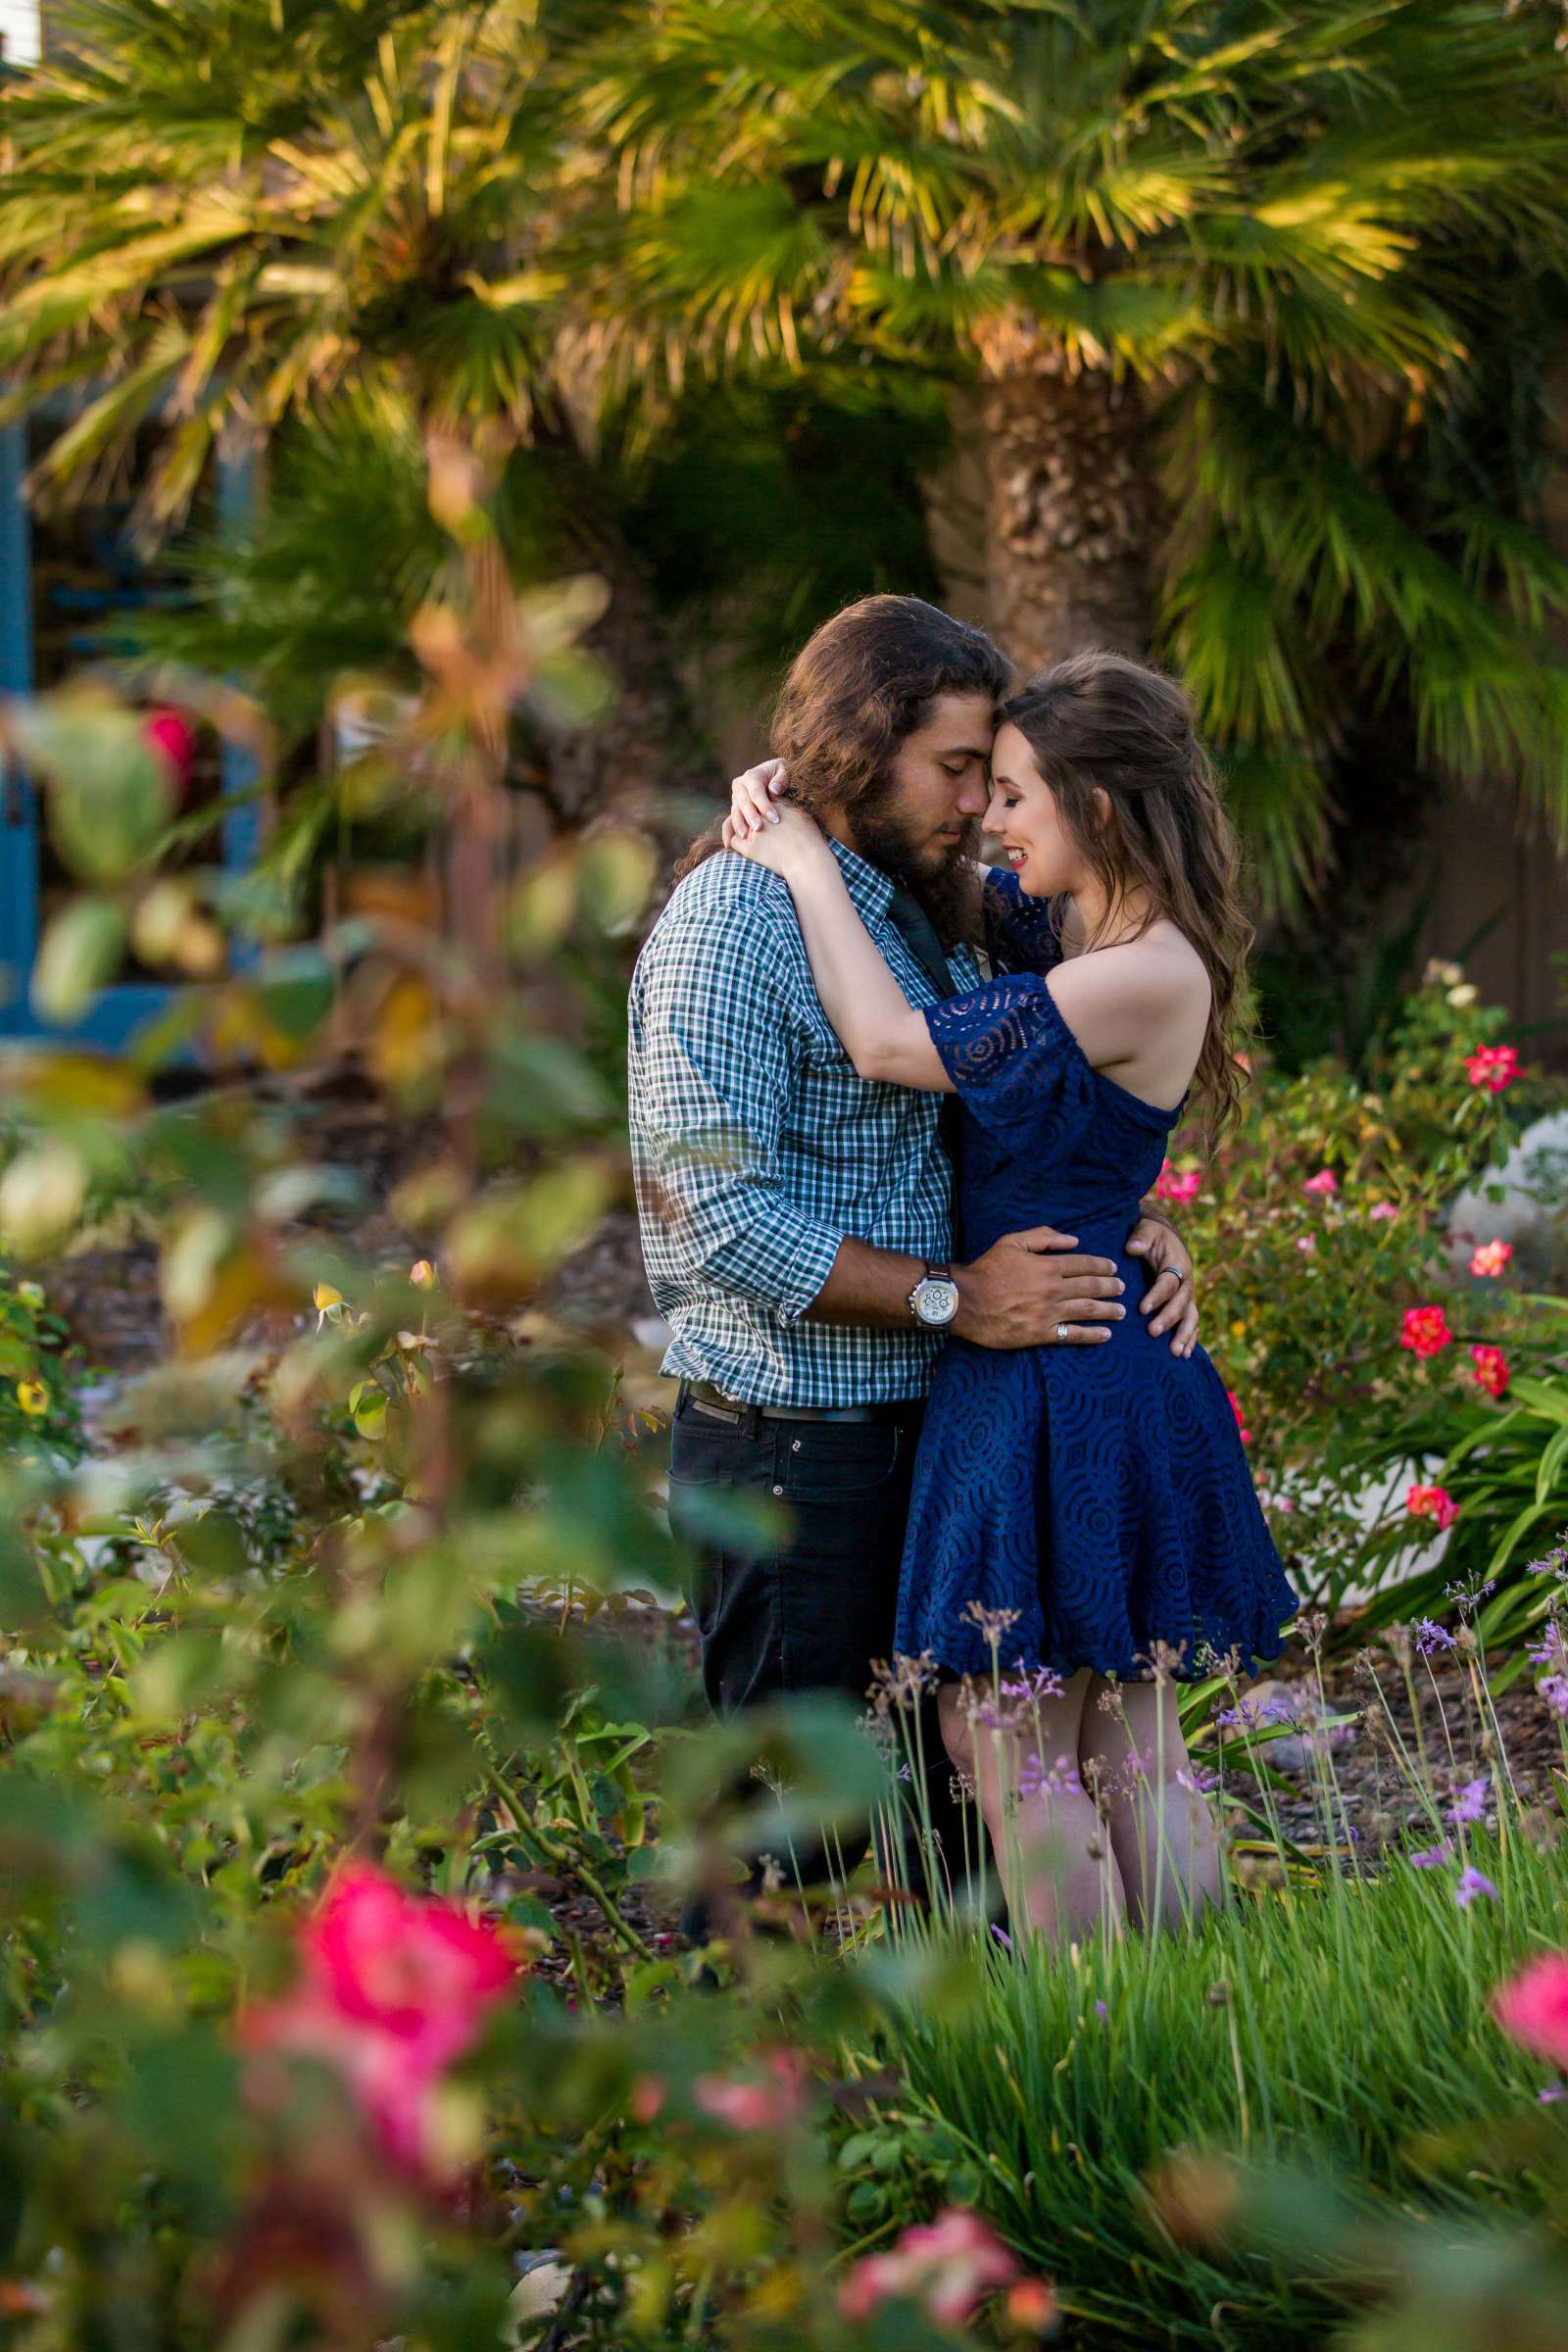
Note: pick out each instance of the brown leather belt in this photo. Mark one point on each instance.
(715, 1405)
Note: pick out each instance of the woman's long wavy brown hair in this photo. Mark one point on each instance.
(1100, 723)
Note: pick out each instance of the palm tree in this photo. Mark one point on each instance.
(1222, 273)
(245, 219)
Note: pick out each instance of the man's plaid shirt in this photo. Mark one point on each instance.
(757, 1148)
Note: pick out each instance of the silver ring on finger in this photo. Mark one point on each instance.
(1061, 1334)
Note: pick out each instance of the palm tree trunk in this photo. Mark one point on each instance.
(1071, 508)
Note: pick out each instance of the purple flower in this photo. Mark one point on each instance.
(1431, 1640)
(1001, 1936)
(1552, 2094)
(1037, 1778)
(1242, 1715)
(1431, 1857)
(1470, 1805)
(1198, 1779)
(1101, 2011)
(1471, 1885)
(1555, 1564)
(1547, 1649)
(1554, 1688)
(1033, 1683)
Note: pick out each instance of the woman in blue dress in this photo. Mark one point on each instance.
(1082, 1516)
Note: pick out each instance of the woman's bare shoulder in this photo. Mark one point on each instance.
(1160, 966)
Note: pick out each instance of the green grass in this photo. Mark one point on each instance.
(1339, 2029)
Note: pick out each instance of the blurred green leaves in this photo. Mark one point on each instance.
(109, 794)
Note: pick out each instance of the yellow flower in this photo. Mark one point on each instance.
(1238, 1331)
(326, 1298)
(422, 1274)
(33, 1397)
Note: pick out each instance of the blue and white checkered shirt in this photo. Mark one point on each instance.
(757, 1148)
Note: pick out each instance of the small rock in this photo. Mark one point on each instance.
(1311, 1735)
(538, 2294)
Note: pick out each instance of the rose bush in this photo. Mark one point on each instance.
(1363, 1343)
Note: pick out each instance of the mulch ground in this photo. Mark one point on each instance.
(1444, 1735)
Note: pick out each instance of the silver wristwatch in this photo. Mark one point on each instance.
(934, 1300)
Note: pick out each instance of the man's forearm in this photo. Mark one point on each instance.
(1025, 1291)
(869, 1288)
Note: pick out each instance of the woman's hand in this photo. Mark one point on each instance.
(755, 797)
(788, 843)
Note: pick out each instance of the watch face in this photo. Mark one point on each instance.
(938, 1302)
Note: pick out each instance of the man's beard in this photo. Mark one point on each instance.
(945, 884)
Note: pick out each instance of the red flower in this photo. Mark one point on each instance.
(1493, 1067)
(393, 1988)
(1491, 1257)
(1425, 1331)
(1492, 1371)
(1532, 2007)
(1240, 1418)
(1432, 1502)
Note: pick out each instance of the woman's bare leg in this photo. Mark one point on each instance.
(1162, 1829)
(1059, 1875)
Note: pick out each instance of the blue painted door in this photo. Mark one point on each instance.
(74, 613)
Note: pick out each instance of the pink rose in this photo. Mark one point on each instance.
(1178, 1184)
(1492, 1371)
(755, 2106)
(1493, 1067)
(1531, 2008)
(393, 1988)
(1432, 1502)
(1492, 1258)
(948, 2265)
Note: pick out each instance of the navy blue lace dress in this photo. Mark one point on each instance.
(1102, 1492)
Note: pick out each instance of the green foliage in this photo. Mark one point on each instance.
(816, 486)
(1329, 247)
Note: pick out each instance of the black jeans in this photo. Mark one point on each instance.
(810, 1613)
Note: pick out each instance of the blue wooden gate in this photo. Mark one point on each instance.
(121, 1008)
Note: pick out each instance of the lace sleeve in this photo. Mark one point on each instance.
(1020, 934)
(1011, 1056)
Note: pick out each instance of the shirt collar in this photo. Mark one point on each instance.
(870, 889)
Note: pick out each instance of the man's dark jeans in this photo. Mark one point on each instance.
(813, 1612)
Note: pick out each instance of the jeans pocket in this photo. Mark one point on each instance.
(833, 1460)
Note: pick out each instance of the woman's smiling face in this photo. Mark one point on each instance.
(1041, 851)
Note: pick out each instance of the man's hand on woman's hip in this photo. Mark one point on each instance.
(1031, 1290)
(1171, 1301)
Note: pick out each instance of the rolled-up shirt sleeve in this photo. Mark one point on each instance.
(711, 1072)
